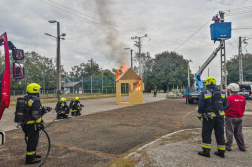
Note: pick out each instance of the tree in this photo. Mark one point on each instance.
(233, 68)
(167, 69)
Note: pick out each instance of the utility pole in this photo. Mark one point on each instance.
(188, 79)
(138, 44)
(240, 61)
(140, 58)
(131, 59)
(58, 63)
(188, 75)
(44, 77)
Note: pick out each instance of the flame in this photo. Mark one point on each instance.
(139, 86)
(118, 73)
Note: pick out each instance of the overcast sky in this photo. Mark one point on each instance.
(101, 29)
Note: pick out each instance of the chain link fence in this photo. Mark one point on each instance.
(79, 86)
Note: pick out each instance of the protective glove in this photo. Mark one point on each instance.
(40, 125)
(199, 116)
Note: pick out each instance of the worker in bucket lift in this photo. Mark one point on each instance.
(155, 92)
(211, 106)
(62, 109)
(33, 122)
(76, 107)
(216, 19)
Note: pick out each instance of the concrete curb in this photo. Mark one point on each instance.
(160, 139)
(149, 144)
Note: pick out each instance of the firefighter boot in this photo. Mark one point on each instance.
(32, 159)
(222, 155)
(37, 156)
(205, 153)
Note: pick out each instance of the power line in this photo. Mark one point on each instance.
(80, 16)
(238, 8)
(231, 44)
(89, 16)
(192, 35)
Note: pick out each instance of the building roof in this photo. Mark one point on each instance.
(129, 74)
(69, 84)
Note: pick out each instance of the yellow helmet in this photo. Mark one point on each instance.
(33, 88)
(63, 99)
(77, 98)
(210, 80)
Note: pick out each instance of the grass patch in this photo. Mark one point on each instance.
(122, 162)
(54, 100)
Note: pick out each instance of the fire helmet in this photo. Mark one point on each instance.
(210, 80)
(234, 87)
(63, 99)
(77, 98)
(33, 88)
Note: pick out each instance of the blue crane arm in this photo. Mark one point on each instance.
(202, 68)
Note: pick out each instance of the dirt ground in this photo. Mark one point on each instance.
(95, 140)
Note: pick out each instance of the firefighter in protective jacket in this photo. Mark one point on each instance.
(212, 104)
(62, 109)
(76, 106)
(33, 122)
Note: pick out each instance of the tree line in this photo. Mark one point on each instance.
(163, 71)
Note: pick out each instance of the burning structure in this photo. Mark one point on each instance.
(135, 85)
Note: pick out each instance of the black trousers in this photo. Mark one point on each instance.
(33, 138)
(216, 123)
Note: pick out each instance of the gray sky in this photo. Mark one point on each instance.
(101, 29)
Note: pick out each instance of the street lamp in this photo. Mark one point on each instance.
(131, 63)
(58, 56)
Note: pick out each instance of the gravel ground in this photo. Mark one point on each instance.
(180, 148)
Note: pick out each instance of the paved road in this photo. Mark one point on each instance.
(97, 139)
(91, 106)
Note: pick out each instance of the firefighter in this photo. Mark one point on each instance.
(211, 106)
(76, 107)
(33, 123)
(62, 109)
(155, 92)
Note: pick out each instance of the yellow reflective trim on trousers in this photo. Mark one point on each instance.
(208, 96)
(221, 148)
(38, 120)
(213, 115)
(31, 153)
(199, 115)
(74, 110)
(223, 97)
(222, 113)
(66, 114)
(204, 146)
(30, 122)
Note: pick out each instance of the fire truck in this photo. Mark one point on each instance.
(5, 79)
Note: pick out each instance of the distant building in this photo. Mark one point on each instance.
(72, 87)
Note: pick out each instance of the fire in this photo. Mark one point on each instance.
(118, 73)
(139, 86)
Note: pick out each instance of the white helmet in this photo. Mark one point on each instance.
(234, 87)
